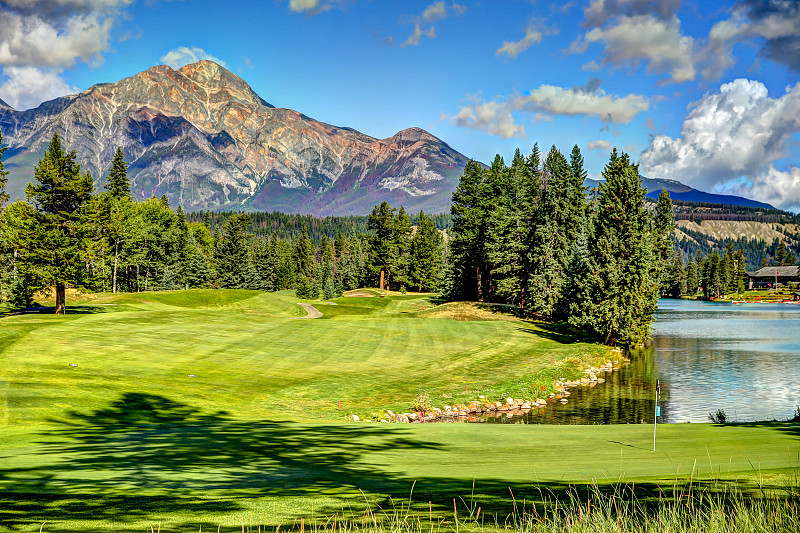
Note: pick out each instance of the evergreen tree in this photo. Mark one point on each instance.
(3, 174)
(675, 278)
(231, 254)
(467, 269)
(623, 290)
(305, 256)
(664, 233)
(783, 257)
(118, 185)
(691, 278)
(60, 189)
(741, 273)
(402, 249)
(382, 229)
(426, 262)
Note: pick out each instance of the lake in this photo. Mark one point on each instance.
(741, 358)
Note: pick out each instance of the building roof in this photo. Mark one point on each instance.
(783, 272)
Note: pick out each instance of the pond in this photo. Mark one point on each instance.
(741, 358)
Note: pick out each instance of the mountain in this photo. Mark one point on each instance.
(201, 136)
(679, 191)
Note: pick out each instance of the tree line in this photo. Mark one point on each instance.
(525, 234)
(67, 234)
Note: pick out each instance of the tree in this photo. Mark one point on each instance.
(402, 248)
(3, 174)
(623, 289)
(118, 185)
(691, 278)
(664, 233)
(58, 193)
(231, 253)
(783, 257)
(426, 263)
(467, 253)
(382, 242)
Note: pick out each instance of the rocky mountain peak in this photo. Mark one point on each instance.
(3, 104)
(201, 136)
(412, 135)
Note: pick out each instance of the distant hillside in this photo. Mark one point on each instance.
(682, 192)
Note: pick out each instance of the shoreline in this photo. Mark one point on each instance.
(477, 411)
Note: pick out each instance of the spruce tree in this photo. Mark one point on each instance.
(382, 229)
(623, 290)
(468, 269)
(426, 262)
(3, 174)
(118, 185)
(402, 249)
(663, 232)
(231, 253)
(59, 191)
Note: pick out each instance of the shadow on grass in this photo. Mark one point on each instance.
(146, 455)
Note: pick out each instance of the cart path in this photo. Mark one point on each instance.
(311, 310)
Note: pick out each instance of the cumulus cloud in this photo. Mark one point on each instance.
(39, 38)
(183, 55)
(497, 117)
(599, 145)
(494, 118)
(601, 11)
(27, 87)
(514, 48)
(774, 23)
(587, 101)
(730, 143)
(633, 39)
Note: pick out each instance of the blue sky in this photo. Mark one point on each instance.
(703, 92)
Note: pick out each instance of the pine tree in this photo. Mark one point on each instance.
(231, 253)
(58, 193)
(118, 185)
(623, 289)
(467, 269)
(305, 256)
(402, 249)
(691, 278)
(664, 233)
(426, 262)
(3, 174)
(382, 229)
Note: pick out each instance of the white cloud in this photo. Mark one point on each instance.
(775, 23)
(599, 145)
(432, 13)
(27, 87)
(658, 42)
(33, 41)
(730, 143)
(600, 11)
(494, 118)
(414, 38)
(588, 101)
(435, 12)
(184, 55)
(298, 6)
(513, 48)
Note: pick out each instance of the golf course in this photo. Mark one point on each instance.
(180, 410)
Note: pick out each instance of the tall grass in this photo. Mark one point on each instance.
(717, 508)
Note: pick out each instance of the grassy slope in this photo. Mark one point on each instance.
(127, 437)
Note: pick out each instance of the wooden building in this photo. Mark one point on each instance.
(773, 277)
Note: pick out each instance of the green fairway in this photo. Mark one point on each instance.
(127, 439)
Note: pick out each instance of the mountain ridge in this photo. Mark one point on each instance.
(204, 138)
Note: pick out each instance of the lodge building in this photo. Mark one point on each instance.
(773, 277)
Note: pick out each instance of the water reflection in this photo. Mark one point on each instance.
(744, 359)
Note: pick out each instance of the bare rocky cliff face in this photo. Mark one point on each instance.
(204, 138)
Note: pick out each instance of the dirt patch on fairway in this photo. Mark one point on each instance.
(311, 310)
(468, 311)
(358, 294)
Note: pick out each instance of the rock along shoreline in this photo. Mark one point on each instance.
(479, 409)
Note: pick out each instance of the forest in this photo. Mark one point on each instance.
(525, 234)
